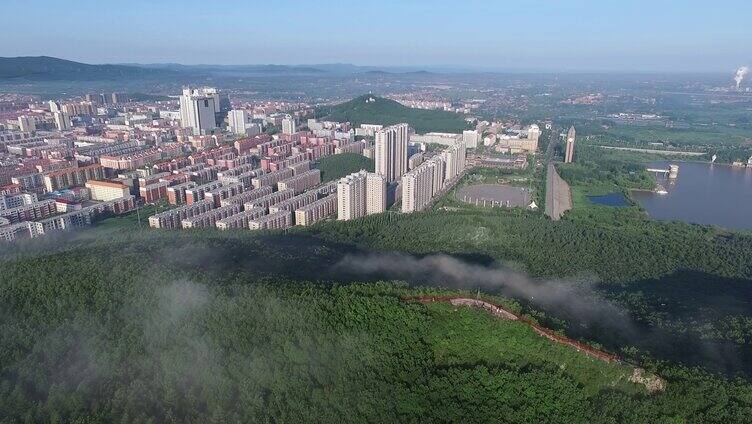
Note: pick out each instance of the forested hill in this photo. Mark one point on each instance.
(150, 326)
(45, 68)
(370, 109)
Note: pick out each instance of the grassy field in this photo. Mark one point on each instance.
(134, 219)
(727, 143)
(683, 138)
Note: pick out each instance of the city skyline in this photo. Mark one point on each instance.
(477, 35)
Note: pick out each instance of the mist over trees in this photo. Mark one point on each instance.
(208, 327)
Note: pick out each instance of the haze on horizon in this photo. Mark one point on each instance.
(688, 36)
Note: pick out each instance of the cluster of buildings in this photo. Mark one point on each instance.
(415, 178)
(23, 215)
(430, 179)
(64, 165)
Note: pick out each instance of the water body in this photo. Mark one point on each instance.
(703, 194)
(614, 199)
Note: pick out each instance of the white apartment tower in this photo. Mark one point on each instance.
(238, 120)
(472, 138)
(360, 194)
(417, 188)
(27, 123)
(62, 121)
(288, 125)
(425, 182)
(351, 196)
(375, 193)
(454, 157)
(391, 151)
(198, 109)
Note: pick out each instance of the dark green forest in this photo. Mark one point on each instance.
(335, 167)
(150, 326)
(369, 109)
(308, 325)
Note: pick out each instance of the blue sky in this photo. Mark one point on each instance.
(623, 35)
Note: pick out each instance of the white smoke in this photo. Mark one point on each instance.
(578, 300)
(740, 74)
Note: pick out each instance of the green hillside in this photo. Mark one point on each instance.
(210, 326)
(369, 109)
(337, 166)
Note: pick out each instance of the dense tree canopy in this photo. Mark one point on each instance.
(104, 331)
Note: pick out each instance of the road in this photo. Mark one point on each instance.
(558, 195)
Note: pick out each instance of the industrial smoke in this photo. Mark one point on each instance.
(740, 74)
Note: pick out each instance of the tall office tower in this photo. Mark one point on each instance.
(288, 125)
(198, 110)
(391, 151)
(238, 120)
(27, 123)
(117, 98)
(569, 155)
(417, 188)
(54, 106)
(375, 193)
(62, 121)
(94, 99)
(471, 138)
(351, 196)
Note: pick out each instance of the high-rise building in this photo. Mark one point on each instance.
(417, 188)
(471, 138)
(454, 159)
(27, 123)
(351, 196)
(359, 194)
(62, 121)
(288, 125)
(117, 98)
(569, 153)
(199, 109)
(426, 181)
(54, 106)
(375, 193)
(391, 151)
(238, 119)
(97, 99)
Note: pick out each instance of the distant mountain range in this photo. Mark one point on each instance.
(45, 68)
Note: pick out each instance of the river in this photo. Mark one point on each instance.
(703, 194)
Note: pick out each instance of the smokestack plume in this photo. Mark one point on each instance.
(740, 74)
